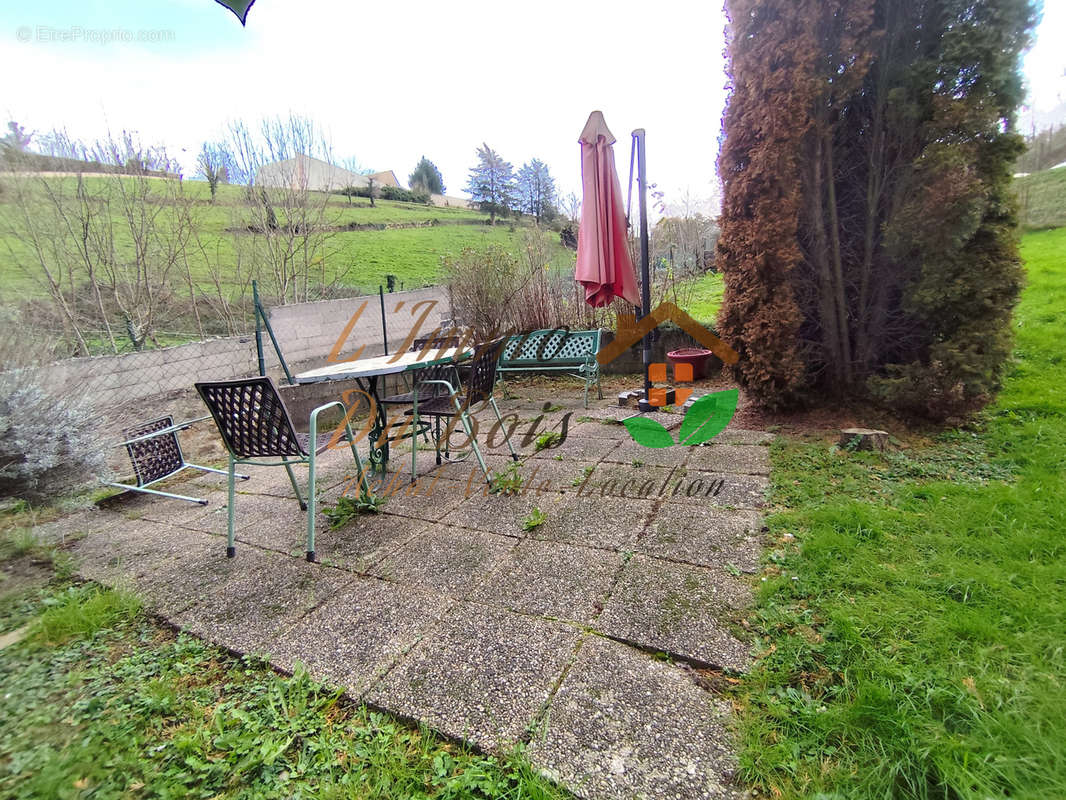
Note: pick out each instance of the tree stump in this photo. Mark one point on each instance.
(863, 439)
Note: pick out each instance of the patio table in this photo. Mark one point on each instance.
(366, 371)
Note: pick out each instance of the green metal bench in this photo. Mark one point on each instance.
(558, 350)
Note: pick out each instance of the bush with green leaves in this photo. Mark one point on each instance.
(48, 441)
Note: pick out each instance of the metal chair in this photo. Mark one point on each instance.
(453, 405)
(155, 454)
(255, 424)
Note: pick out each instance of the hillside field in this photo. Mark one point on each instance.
(359, 259)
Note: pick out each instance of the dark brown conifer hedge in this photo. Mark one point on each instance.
(868, 230)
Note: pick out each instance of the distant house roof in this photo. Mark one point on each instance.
(386, 178)
(305, 172)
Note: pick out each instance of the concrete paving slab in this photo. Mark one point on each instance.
(624, 725)
(743, 436)
(250, 510)
(169, 567)
(447, 560)
(604, 522)
(168, 510)
(78, 525)
(627, 451)
(552, 580)
(462, 470)
(107, 555)
(353, 638)
(712, 537)
(500, 513)
(550, 475)
(365, 540)
(722, 489)
(678, 608)
(743, 458)
(270, 594)
(171, 585)
(429, 499)
(483, 675)
(578, 448)
(595, 429)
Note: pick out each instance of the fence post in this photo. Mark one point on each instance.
(258, 329)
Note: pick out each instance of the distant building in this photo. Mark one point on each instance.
(446, 201)
(386, 178)
(304, 172)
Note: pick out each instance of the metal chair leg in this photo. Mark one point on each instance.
(364, 484)
(217, 471)
(295, 488)
(464, 418)
(507, 435)
(231, 549)
(414, 438)
(311, 495)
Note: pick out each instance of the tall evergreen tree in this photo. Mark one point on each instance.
(426, 178)
(868, 238)
(492, 183)
(536, 189)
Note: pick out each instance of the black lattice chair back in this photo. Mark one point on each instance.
(439, 341)
(252, 418)
(438, 372)
(155, 458)
(483, 371)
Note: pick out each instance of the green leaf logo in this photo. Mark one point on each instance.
(708, 417)
(704, 420)
(648, 432)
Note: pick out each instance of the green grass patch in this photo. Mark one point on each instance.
(356, 258)
(130, 710)
(704, 297)
(911, 619)
(81, 612)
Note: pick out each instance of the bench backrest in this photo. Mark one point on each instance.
(555, 347)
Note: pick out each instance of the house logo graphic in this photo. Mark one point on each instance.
(705, 418)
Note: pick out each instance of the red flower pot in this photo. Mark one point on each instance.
(696, 356)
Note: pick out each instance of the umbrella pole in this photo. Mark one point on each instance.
(645, 282)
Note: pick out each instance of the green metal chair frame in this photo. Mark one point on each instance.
(556, 350)
(255, 425)
(479, 390)
(155, 454)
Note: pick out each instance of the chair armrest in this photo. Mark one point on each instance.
(324, 406)
(452, 391)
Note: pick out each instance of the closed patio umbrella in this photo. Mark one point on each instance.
(604, 267)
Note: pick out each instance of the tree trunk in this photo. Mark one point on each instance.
(839, 294)
(820, 257)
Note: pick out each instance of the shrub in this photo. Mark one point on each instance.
(48, 441)
(403, 195)
(868, 228)
(387, 193)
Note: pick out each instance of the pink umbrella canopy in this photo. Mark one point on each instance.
(604, 267)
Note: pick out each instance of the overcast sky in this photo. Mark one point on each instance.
(395, 80)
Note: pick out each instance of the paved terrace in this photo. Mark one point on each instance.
(597, 637)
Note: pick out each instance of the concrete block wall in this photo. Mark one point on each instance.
(307, 332)
(111, 381)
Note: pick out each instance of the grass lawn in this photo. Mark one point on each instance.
(912, 616)
(704, 297)
(361, 257)
(99, 701)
